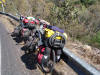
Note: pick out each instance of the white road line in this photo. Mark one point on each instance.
(0, 55)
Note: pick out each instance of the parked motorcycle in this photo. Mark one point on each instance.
(47, 56)
(47, 53)
(25, 29)
(54, 41)
(46, 61)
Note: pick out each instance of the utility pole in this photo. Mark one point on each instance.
(2, 5)
(3, 9)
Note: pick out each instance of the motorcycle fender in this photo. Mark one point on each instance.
(40, 56)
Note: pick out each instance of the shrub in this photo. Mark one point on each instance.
(88, 2)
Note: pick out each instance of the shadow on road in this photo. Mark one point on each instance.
(23, 48)
(29, 60)
(17, 39)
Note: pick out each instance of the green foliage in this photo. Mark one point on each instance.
(78, 21)
(0, 8)
(88, 2)
(63, 14)
(96, 38)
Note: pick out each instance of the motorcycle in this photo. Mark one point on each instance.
(53, 44)
(48, 56)
(25, 29)
(44, 60)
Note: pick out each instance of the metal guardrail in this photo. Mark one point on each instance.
(10, 15)
(85, 67)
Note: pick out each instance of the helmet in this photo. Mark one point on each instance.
(32, 22)
(25, 21)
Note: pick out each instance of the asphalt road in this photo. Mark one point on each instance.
(12, 60)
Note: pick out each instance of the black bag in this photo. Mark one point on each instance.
(57, 43)
(31, 26)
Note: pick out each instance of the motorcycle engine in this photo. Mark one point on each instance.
(25, 32)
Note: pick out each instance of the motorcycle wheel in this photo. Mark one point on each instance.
(16, 31)
(48, 66)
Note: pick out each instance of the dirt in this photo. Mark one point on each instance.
(8, 22)
(62, 69)
(90, 54)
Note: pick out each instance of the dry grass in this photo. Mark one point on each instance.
(90, 54)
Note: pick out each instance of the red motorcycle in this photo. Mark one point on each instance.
(46, 62)
(25, 29)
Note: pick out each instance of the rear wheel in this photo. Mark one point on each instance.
(47, 66)
(31, 44)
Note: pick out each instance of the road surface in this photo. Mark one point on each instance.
(11, 57)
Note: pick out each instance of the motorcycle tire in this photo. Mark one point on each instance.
(16, 31)
(48, 66)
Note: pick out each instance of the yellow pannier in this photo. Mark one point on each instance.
(49, 33)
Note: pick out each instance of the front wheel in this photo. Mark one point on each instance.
(47, 66)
